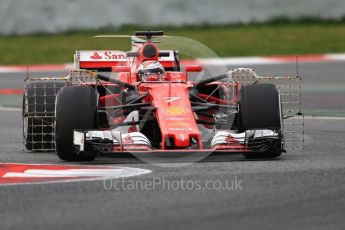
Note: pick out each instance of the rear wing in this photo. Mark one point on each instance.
(105, 59)
(99, 59)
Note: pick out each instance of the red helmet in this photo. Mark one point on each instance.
(151, 71)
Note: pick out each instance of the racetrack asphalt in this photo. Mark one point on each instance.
(304, 189)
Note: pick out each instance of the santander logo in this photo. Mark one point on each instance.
(102, 55)
(96, 56)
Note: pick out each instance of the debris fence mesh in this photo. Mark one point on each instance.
(39, 107)
(290, 89)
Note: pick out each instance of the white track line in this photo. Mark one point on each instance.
(10, 109)
(323, 118)
(238, 61)
(335, 57)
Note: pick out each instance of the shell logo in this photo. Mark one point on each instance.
(176, 110)
(178, 124)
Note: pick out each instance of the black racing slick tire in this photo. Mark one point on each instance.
(76, 108)
(38, 114)
(260, 108)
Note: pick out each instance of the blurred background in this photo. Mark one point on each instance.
(50, 16)
(42, 32)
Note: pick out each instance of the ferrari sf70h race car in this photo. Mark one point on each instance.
(152, 105)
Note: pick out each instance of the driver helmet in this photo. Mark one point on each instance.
(151, 71)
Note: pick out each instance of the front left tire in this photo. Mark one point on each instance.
(260, 108)
(76, 108)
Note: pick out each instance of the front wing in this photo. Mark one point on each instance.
(111, 141)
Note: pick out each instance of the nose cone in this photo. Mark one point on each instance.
(174, 115)
(181, 140)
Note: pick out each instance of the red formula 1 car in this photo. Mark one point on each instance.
(152, 106)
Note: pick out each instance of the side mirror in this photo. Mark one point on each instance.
(193, 68)
(121, 69)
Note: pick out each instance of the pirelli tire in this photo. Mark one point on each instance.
(38, 114)
(260, 108)
(76, 108)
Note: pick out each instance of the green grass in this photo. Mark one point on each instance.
(279, 38)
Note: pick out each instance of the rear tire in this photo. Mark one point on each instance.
(39, 101)
(260, 108)
(76, 108)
